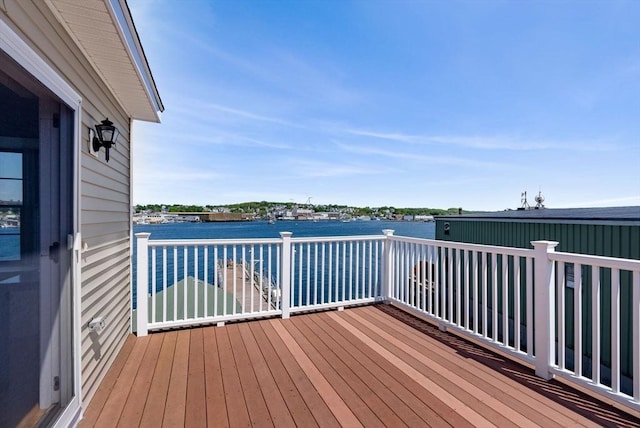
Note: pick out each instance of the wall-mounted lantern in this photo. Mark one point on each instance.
(105, 136)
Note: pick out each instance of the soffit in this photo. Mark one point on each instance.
(104, 31)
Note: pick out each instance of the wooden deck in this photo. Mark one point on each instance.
(369, 366)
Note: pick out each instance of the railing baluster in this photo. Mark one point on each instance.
(337, 272)
(560, 318)
(458, 287)
(308, 281)
(529, 300)
(516, 303)
(505, 299)
(635, 328)
(485, 294)
(234, 273)
(330, 274)
(465, 283)
(216, 285)
(225, 276)
(153, 285)
(205, 261)
(185, 275)
(494, 296)
(356, 286)
(164, 283)
(322, 279)
(595, 329)
(175, 283)
(243, 277)
(615, 330)
(431, 281)
(195, 282)
(437, 281)
(344, 270)
(577, 323)
(369, 285)
(475, 255)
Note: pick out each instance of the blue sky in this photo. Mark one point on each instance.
(403, 103)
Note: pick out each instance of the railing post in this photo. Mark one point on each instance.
(286, 273)
(544, 314)
(387, 272)
(142, 283)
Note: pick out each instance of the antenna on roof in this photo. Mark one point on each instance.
(524, 205)
(539, 200)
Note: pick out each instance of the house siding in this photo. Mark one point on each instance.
(104, 192)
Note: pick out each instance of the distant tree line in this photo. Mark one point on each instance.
(263, 207)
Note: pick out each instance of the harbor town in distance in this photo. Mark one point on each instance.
(276, 211)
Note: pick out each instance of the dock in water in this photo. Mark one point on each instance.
(253, 294)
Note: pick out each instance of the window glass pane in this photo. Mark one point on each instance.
(10, 165)
(9, 234)
(10, 192)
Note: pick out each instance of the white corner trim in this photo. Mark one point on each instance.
(16, 48)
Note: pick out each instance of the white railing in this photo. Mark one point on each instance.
(335, 271)
(472, 288)
(535, 304)
(193, 282)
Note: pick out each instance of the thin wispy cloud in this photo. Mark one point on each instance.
(422, 158)
(306, 168)
(492, 143)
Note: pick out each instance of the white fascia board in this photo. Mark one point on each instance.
(126, 28)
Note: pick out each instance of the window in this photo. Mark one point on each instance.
(10, 205)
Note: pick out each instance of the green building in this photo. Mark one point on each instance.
(610, 232)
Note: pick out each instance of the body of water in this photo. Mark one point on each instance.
(262, 229)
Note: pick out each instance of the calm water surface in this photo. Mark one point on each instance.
(262, 229)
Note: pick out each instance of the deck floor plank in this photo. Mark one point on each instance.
(479, 400)
(214, 387)
(511, 393)
(318, 407)
(433, 411)
(174, 412)
(153, 411)
(443, 388)
(551, 397)
(289, 390)
(268, 385)
(134, 407)
(196, 405)
(339, 387)
(350, 375)
(256, 405)
(117, 399)
(234, 396)
(366, 366)
(388, 392)
(101, 396)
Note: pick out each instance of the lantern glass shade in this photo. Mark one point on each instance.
(107, 133)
